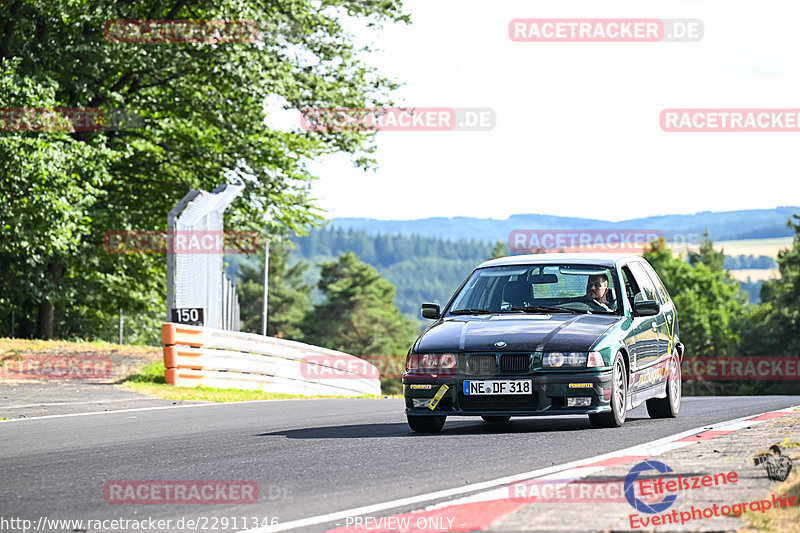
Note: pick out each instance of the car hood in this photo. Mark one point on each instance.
(521, 333)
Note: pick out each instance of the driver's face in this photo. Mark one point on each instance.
(597, 288)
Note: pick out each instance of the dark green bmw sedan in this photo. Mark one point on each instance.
(548, 334)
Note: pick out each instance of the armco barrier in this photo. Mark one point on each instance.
(198, 356)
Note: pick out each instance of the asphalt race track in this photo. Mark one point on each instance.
(308, 457)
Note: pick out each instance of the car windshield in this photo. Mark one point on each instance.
(556, 288)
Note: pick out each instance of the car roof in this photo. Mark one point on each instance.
(574, 258)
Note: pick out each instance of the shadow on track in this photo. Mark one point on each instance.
(453, 427)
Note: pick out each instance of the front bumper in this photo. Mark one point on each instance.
(548, 396)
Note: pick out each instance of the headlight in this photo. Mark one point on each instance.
(595, 359)
(431, 363)
(572, 359)
(447, 361)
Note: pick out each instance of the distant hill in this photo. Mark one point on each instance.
(724, 225)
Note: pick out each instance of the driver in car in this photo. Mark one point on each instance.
(597, 290)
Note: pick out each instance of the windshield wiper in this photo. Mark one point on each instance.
(473, 312)
(546, 308)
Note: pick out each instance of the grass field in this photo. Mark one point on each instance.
(769, 247)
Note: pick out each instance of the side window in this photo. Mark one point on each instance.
(631, 287)
(645, 283)
(657, 282)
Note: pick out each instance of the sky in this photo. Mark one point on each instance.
(577, 124)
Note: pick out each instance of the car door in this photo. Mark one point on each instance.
(670, 322)
(638, 327)
(653, 340)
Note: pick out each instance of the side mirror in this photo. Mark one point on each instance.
(431, 311)
(646, 308)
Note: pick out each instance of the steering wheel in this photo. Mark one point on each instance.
(591, 304)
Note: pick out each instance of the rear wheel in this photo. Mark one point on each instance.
(619, 399)
(426, 424)
(668, 407)
(496, 419)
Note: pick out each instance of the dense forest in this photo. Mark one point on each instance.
(401, 260)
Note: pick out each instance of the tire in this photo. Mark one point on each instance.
(496, 419)
(668, 407)
(619, 399)
(426, 424)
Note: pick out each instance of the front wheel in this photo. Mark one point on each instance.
(426, 424)
(668, 407)
(619, 399)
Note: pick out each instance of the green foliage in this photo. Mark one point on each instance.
(287, 299)
(499, 250)
(710, 304)
(715, 319)
(774, 326)
(202, 107)
(358, 315)
(707, 256)
(151, 373)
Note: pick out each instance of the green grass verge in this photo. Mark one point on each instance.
(150, 381)
(152, 373)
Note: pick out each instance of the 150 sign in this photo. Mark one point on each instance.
(191, 316)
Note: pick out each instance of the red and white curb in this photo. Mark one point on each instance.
(490, 501)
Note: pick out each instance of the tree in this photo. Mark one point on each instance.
(358, 316)
(714, 260)
(499, 250)
(709, 303)
(287, 298)
(774, 326)
(202, 107)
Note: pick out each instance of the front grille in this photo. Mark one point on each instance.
(482, 364)
(515, 362)
(507, 402)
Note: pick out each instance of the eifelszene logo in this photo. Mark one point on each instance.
(630, 481)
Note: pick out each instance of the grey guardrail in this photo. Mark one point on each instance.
(197, 356)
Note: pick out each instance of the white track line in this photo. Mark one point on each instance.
(647, 449)
(74, 403)
(137, 409)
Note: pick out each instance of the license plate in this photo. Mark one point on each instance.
(520, 386)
